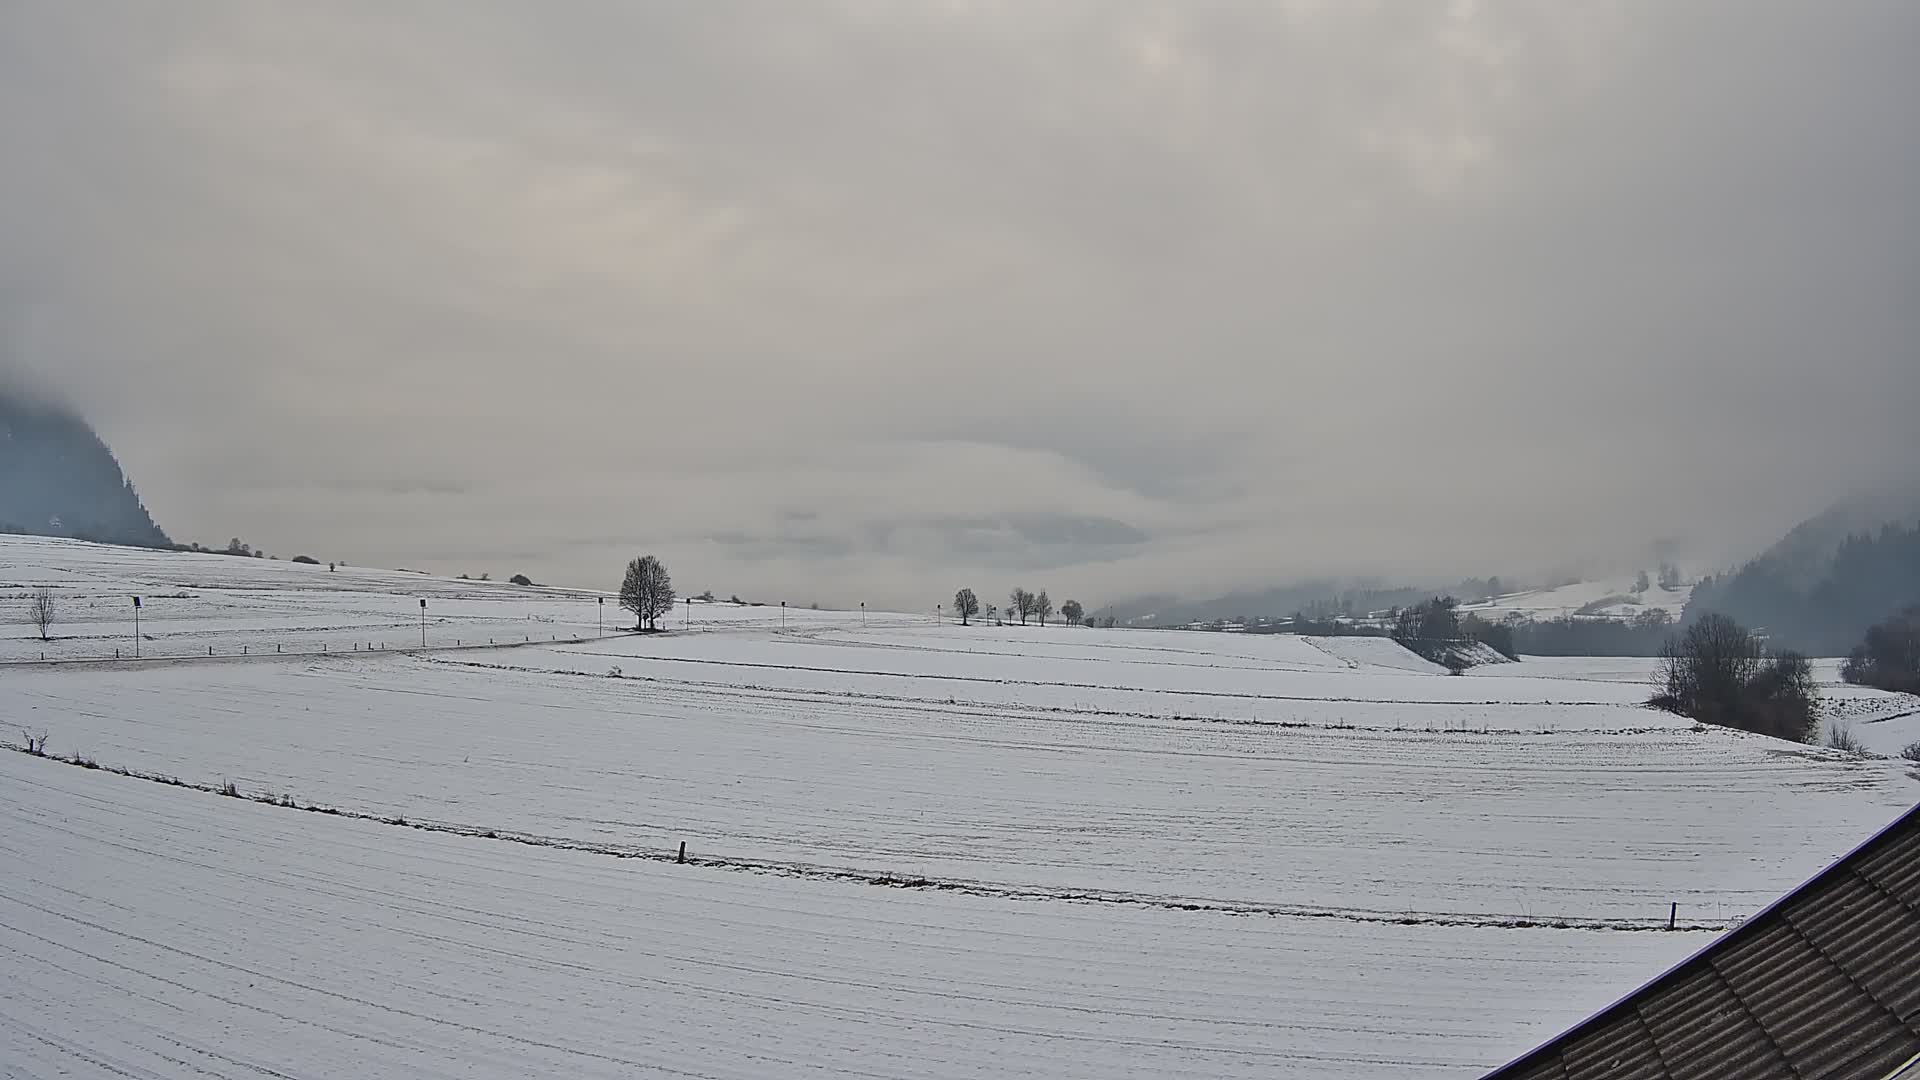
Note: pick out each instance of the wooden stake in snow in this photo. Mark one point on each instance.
(683, 852)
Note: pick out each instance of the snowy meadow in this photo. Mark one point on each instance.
(834, 843)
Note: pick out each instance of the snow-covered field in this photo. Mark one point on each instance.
(196, 605)
(149, 931)
(917, 849)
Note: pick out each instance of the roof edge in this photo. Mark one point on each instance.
(1909, 1071)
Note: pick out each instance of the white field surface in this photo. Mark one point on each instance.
(1131, 853)
(193, 603)
(151, 931)
(1884, 723)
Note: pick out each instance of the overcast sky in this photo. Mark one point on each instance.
(873, 300)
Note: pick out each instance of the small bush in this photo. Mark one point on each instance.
(229, 790)
(306, 560)
(1889, 658)
(36, 742)
(1841, 737)
(520, 579)
(1912, 752)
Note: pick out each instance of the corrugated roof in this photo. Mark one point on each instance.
(1823, 985)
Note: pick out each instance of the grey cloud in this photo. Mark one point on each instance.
(880, 298)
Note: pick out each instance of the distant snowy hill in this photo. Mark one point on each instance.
(1802, 557)
(1612, 597)
(58, 479)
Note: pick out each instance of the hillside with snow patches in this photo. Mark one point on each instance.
(913, 849)
(1607, 597)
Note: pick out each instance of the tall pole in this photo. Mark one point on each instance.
(423, 622)
(783, 614)
(603, 616)
(136, 628)
(689, 612)
(863, 614)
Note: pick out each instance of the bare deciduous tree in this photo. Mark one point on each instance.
(1072, 612)
(40, 611)
(1020, 602)
(967, 604)
(647, 591)
(1042, 607)
(1707, 666)
(1718, 673)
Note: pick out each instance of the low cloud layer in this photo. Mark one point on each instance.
(868, 301)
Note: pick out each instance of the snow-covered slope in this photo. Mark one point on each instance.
(197, 604)
(1612, 597)
(1132, 853)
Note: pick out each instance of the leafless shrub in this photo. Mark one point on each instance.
(41, 612)
(1841, 737)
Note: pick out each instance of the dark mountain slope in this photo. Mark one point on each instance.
(58, 479)
(1821, 586)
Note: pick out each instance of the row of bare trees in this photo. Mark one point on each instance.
(1020, 603)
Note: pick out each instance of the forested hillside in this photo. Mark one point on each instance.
(1820, 606)
(58, 479)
